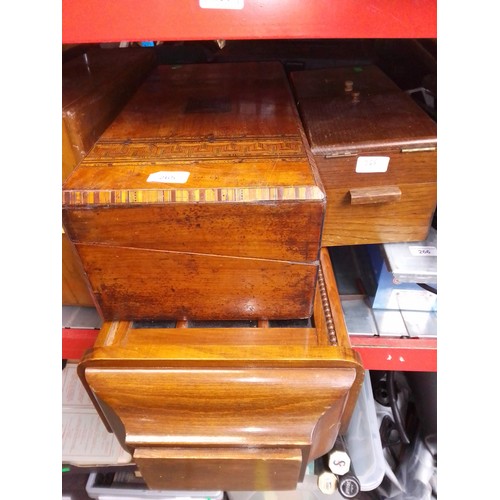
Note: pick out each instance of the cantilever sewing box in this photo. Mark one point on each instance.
(201, 200)
(221, 405)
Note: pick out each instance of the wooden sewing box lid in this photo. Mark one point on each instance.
(201, 133)
(358, 110)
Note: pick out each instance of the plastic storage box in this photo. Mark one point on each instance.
(363, 440)
(126, 486)
(406, 274)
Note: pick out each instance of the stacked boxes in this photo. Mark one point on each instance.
(200, 200)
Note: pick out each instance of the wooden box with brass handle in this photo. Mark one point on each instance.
(227, 408)
(376, 151)
(201, 200)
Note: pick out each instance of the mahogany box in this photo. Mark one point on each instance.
(201, 200)
(376, 151)
(216, 406)
(96, 84)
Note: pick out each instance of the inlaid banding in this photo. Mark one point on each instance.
(205, 195)
(158, 149)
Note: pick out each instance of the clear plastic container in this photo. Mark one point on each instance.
(363, 440)
(365, 449)
(133, 490)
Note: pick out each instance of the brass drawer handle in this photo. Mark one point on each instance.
(378, 194)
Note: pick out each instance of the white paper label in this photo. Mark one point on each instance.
(423, 251)
(372, 164)
(169, 177)
(222, 4)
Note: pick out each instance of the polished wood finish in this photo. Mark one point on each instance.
(405, 219)
(228, 407)
(358, 114)
(75, 290)
(257, 402)
(368, 195)
(200, 199)
(262, 470)
(96, 83)
(204, 228)
(359, 109)
(95, 86)
(126, 283)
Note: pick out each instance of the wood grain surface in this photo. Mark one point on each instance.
(209, 403)
(357, 114)
(374, 115)
(257, 470)
(75, 289)
(96, 84)
(133, 284)
(201, 198)
(264, 230)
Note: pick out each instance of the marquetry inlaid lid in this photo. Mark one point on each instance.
(220, 132)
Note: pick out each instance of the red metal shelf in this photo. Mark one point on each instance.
(95, 21)
(75, 341)
(396, 354)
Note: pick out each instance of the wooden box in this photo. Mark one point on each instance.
(200, 200)
(95, 86)
(227, 407)
(376, 151)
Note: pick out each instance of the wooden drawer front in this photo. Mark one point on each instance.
(251, 407)
(405, 218)
(140, 284)
(392, 206)
(284, 231)
(228, 469)
(403, 168)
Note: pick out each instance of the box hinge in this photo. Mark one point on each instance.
(418, 150)
(338, 155)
